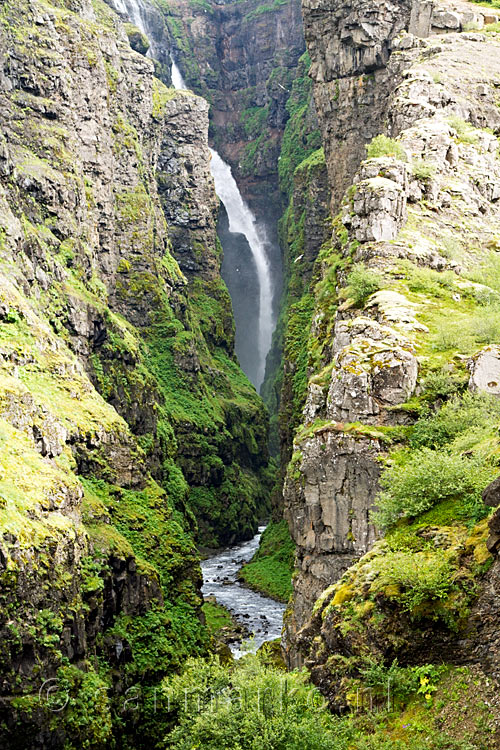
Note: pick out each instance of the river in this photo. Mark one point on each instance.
(260, 614)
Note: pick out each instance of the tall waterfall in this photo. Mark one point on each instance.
(242, 221)
(132, 9)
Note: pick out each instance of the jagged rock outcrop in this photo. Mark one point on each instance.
(350, 46)
(411, 206)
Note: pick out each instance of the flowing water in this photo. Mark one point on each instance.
(132, 9)
(261, 615)
(242, 221)
(251, 346)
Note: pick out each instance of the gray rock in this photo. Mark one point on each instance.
(484, 370)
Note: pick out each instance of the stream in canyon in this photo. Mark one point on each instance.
(259, 614)
(249, 280)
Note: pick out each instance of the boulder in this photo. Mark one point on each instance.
(484, 370)
(491, 494)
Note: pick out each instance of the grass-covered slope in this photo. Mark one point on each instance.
(270, 570)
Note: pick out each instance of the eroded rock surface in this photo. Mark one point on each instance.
(436, 193)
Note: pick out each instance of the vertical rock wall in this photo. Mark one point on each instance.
(366, 355)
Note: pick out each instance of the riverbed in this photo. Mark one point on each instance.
(260, 614)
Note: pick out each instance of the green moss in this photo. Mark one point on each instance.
(300, 138)
(29, 487)
(217, 617)
(138, 41)
(271, 568)
(161, 95)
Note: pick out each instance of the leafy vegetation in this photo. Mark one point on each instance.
(426, 477)
(361, 283)
(253, 706)
(381, 145)
(453, 455)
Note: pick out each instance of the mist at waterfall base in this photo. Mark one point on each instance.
(246, 268)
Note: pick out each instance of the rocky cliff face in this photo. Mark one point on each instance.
(243, 57)
(423, 205)
(119, 387)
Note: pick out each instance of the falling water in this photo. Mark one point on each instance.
(132, 9)
(177, 79)
(242, 221)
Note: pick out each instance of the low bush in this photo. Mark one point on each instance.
(361, 283)
(381, 145)
(423, 170)
(424, 477)
(420, 576)
(456, 416)
(251, 707)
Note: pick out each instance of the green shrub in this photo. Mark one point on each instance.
(426, 477)
(423, 170)
(442, 384)
(465, 131)
(381, 145)
(458, 415)
(253, 707)
(421, 576)
(361, 283)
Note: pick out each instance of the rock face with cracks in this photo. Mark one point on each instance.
(424, 195)
(126, 425)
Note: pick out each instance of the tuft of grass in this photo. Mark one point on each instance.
(361, 283)
(423, 170)
(465, 131)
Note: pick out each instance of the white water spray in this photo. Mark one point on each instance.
(132, 9)
(177, 79)
(242, 221)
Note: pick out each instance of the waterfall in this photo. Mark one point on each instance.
(130, 8)
(242, 221)
(177, 79)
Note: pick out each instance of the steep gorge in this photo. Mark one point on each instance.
(397, 336)
(128, 428)
(129, 431)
